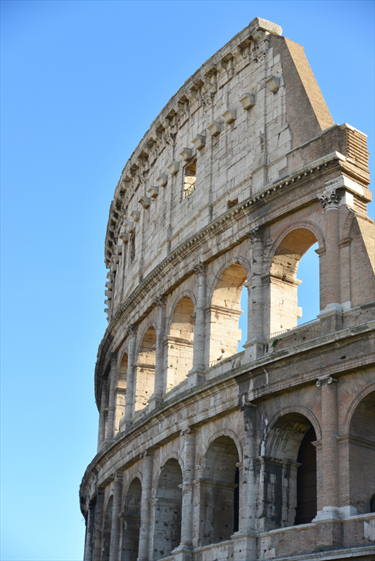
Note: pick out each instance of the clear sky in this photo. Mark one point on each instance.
(81, 82)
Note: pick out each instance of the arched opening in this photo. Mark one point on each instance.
(131, 522)
(225, 312)
(308, 291)
(167, 535)
(106, 539)
(284, 308)
(243, 321)
(121, 392)
(287, 474)
(145, 369)
(180, 343)
(219, 497)
(362, 455)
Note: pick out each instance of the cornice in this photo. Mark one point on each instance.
(233, 376)
(212, 230)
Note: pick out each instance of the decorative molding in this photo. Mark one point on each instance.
(162, 180)
(325, 381)
(247, 101)
(136, 215)
(273, 83)
(186, 154)
(215, 128)
(173, 167)
(153, 191)
(145, 201)
(199, 141)
(230, 115)
(329, 199)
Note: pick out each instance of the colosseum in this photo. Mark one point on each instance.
(206, 453)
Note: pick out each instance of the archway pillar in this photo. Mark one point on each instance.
(103, 414)
(196, 375)
(116, 508)
(183, 552)
(330, 517)
(331, 315)
(97, 549)
(157, 398)
(145, 530)
(89, 532)
(254, 347)
(113, 379)
(130, 386)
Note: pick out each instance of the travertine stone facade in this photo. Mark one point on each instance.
(206, 453)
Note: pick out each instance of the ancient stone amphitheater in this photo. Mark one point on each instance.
(206, 453)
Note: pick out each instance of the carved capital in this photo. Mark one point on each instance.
(146, 453)
(325, 381)
(113, 358)
(329, 199)
(200, 269)
(187, 431)
(131, 330)
(159, 301)
(255, 235)
(244, 402)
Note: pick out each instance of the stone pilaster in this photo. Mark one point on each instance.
(89, 532)
(254, 347)
(160, 377)
(187, 488)
(116, 509)
(329, 519)
(331, 317)
(112, 397)
(245, 539)
(103, 414)
(196, 375)
(145, 530)
(130, 386)
(97, 549)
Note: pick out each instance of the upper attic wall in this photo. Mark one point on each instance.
(306, 110)
(251, 114)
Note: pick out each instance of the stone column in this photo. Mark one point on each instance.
(103, 413)
(196, 374)
(130, 385)
(254, 346)
(187, 489)
(328, 387)
(329, 519)
(112, 397)
(159, 358)
(89, 532)
(116, 509)
(97, 549)
(245, 538)
(331, 315)
(144, 531)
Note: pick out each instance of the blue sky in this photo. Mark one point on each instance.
(81, 82)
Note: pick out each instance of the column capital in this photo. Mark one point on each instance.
(330, 199)
(200, 269)
(119, 475)
(245, 403)
(325, 381)
(255, 235)
(187, 431)
(159, 301)
(113, 358)
(131, 330)
(145, 454)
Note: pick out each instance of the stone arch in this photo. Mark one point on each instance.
(219, 495)
(168, 505)
(180, 341)
(224, 432)
(362, 454)
(353, 405)
(172, 455)
(225, 310)
(142, 332)
(107, 527)
(131, 521)
(145, 367)
(302, 410)
(120, 390)
(174, 304)
(348, 224)
(284, 257)
(287, 468)
(214, 277)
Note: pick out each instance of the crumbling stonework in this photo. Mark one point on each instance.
(206, 453)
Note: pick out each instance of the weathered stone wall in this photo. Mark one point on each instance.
(206, 453)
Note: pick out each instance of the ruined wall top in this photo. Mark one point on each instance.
(249, 116)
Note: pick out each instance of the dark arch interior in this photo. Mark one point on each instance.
(131, 522)
(106, 541)
(220, 492)
(167, 535)
(306, 480)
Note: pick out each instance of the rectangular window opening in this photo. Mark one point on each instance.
(190, 178)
